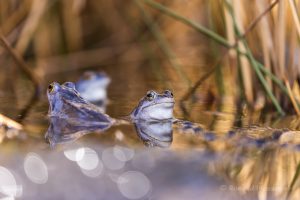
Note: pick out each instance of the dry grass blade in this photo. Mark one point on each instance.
(280, 39)
(245, 66)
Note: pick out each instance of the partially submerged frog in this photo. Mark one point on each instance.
(154, 107)
(69, 113)
(92, 86)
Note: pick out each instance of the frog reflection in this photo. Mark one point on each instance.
(155, 134)
(70, 114)
(92, 86)
(63, 130)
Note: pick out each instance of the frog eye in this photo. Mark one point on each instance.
(51, 87)
(150, 95)
(168, 93)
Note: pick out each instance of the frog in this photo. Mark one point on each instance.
(70, 114)
(154, 107)
(92, 86)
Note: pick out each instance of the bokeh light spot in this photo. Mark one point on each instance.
(35, 168)
(123, 153)
(134, 185)
(94, 172)
(74, 154)
(111, 161)
(90, 160)
(8, 185)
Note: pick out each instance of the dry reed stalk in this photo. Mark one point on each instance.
(280, 39)
(72, 23)
(4, 10)
(292, 50)
(292, 97)
(296, 91)
(295, 16)
(238, 11)
(265, 38)
(48, 41)
(38, 8)
(15, 18)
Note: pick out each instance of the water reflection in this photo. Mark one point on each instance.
(155, 134)
(62, 130)
(268, 173)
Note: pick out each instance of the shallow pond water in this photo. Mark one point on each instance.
(116, 164)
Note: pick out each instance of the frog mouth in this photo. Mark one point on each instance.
(165, 105)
